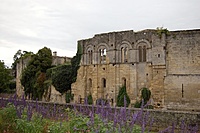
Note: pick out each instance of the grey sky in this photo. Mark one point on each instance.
(57, 24)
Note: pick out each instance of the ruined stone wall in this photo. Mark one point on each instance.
(169, 59)
(182, 84)
(182, 92)
(123, 64)
(183, 52)
(21, 65)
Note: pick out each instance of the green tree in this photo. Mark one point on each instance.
(5, 78)
(145, 96)
(61, 78)
(90, 99)
(64, 75)
(75, 62)
(69, 96)
(123, 97)
(34, 75)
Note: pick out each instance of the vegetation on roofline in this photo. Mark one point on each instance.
(161, 30)
(64, 75)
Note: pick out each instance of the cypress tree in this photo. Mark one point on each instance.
(123, 98)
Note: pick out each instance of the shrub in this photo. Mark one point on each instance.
(7, 123)
(69, 96)
(137, 104)
(123, 98)
(90, 100)
(145, 96)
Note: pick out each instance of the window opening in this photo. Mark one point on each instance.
(182, 91)
(90, 56)
(104, 83)
(124, 82)
(122, 54)
(125, 54)
(102, 55)
(142, 53)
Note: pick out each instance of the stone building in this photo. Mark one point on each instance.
(167, 64)
(51, 94)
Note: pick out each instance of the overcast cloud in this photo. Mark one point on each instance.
(30, 25)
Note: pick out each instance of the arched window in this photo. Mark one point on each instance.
(102, 53)
(103, 82)
(90, 56)
(124, 54)
(124, 82)
(142, 53)
(90, 84)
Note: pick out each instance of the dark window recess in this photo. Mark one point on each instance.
(182, 91)
(158, 55)
(104, 69)
(164, 48)
(104, 83)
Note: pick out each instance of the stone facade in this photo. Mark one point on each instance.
(51, 95)
(169, 65)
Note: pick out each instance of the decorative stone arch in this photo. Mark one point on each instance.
(103, 87)
(102, 52)
(127, 43)
(89, 47)
(142, 46)
(89, 52)
(124, 52)
(142, 41)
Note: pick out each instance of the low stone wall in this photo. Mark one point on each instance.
(6, 95)
(161, 118)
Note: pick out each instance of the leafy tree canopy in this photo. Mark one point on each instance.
(61, 78)
(34, 75)
(64, 75)
(5, 77)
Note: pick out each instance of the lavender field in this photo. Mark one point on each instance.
(22, 116)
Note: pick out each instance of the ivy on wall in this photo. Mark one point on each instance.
(64, 75)
(61, 77)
